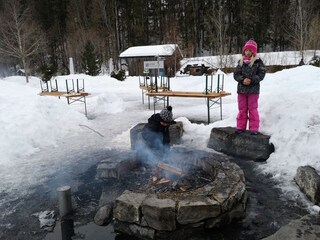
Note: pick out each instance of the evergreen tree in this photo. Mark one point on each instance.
(91, 60)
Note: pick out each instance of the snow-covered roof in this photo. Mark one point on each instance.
(269, 58)
(149, 51)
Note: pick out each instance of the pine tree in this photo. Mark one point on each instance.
(91, 60)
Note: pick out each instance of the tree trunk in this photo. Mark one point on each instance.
(26, 70)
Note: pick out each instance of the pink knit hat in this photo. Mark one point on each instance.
(251, 45)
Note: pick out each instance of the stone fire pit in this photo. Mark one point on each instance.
(147, 213)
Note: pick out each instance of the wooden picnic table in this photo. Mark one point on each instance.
(189, 94)
(71, 97)
(212, 98)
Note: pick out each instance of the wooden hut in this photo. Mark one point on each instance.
(134, 57)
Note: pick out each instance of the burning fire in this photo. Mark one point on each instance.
(170, 175)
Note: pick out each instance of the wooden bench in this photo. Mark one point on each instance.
(153, 88)
(74, 90)
(64, 94)
(149, 89)
(189, 94)
(71, 97)
(153, 84)
(213, 98)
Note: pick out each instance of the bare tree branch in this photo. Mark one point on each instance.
(299, 32)
(20, 36)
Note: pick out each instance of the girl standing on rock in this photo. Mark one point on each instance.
(249, 72)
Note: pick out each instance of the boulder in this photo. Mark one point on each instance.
(132, 229)
(196, 210)
(308, 180)
(306, 228)
(127, 207)
(104, 215)
(159, 213)
(135, 135)
(175, 132)
(244, 145)
(116, 166)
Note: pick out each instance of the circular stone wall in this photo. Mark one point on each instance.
(156, 215)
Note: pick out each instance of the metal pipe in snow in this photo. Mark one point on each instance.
(65, 204)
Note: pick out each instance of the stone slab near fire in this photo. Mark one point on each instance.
(244, 145)
(150, 214)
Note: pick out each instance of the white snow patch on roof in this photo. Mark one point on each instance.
(269, 58)
(151, 50)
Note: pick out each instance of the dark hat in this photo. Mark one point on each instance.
(166, 114)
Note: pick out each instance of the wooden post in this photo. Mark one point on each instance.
(208, 108)
(206, 84)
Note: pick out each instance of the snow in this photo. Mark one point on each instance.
(149, 51)
(47, 220)
(286, 58)
(39, 134)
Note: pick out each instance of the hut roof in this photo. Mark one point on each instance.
(149, 51)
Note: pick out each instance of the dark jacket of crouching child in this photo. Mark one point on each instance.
(156, 132)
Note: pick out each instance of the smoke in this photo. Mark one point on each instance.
(174, 156)
(149, 156)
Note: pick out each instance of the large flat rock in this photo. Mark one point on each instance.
(244, 145)
(175, 132)
(159, 214)
(127, 207)
(193, 211)
(117, 165)
(306, 228)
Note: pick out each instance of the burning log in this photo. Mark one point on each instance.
(184, 188)
(154, 179)
(162, 181)
(171, 169)
(157, 181)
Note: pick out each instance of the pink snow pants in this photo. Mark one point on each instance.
(248, 110)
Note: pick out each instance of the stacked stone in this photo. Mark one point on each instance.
(170, 216)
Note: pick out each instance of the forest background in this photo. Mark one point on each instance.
(40, 36)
